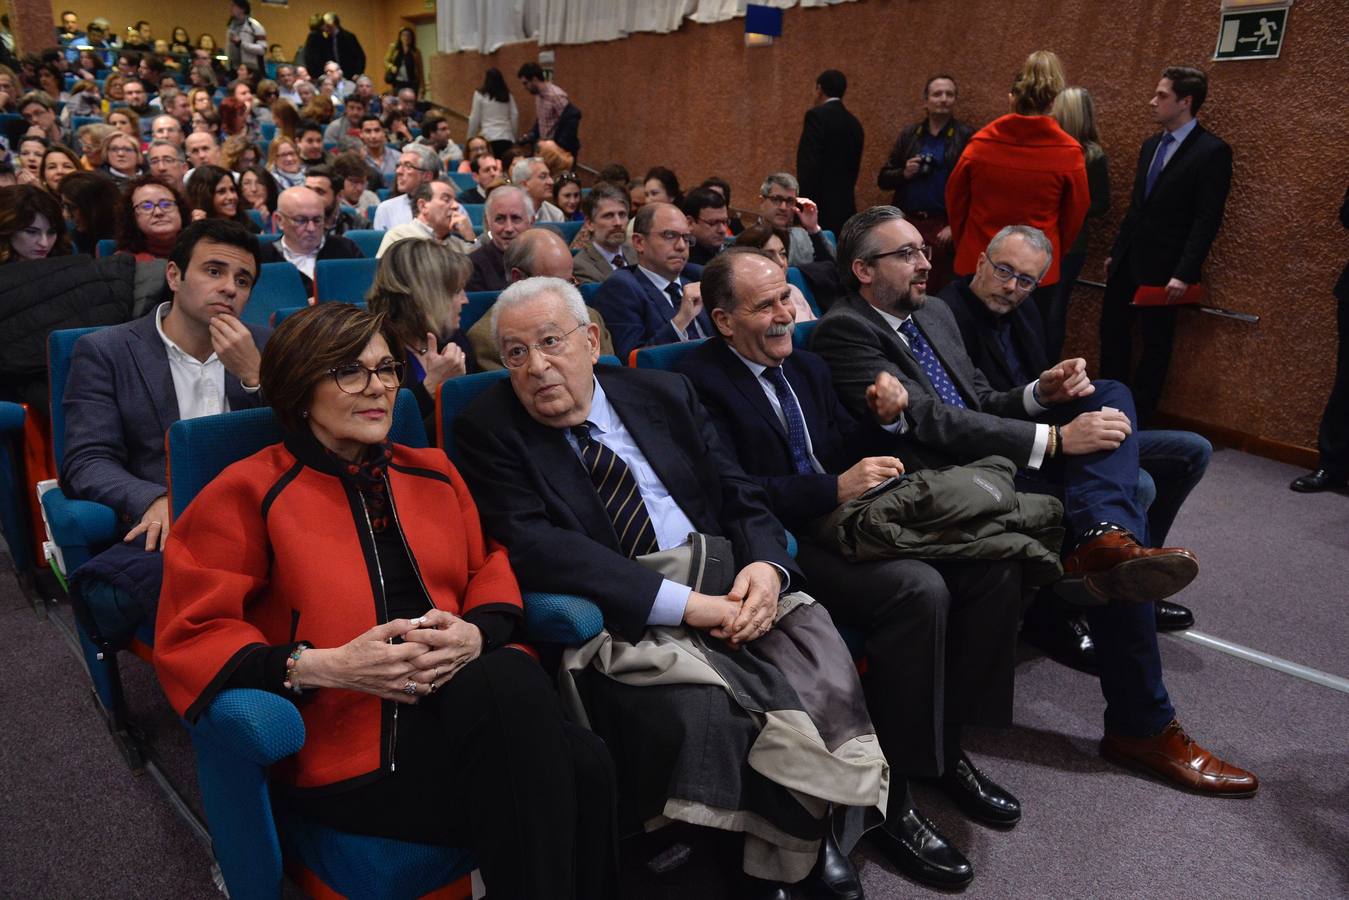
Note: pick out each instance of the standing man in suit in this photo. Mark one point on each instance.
(300, 215)
(1180, 189)
(606, 209)
(589, 470)
(941, 636)
(1068, 435)
(128, 383)
(658, 300)
(829, 154)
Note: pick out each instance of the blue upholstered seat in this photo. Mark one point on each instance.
(344, 279)
(278, 286)
(368, 239)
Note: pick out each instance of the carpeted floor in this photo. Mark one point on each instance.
(1274, 569)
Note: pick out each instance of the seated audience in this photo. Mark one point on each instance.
(347, 125)
(354, 193)
(309, 139)
(567, 197)
(239, 153)
(558, 160)
(606, 218)
(336, 220)
(783, 208)
(39, 111)
(723, 187)
(90, 138)
(57, 162)
(940, 633)
(417, 164)
(636, 196)
(29, 151)
(122, 156)
(473, 148)
(92, 202)
(299, 217)
(439, 218)
(531, 173)
(31, 224)
(706, 212)
(234, 120)
(590, 470)
(127, 122)
(283, 161)
(166, 163)
(212, 193)
(381, 158)
(259, 190)
(278, 607)
(152, 219)
(657, 301)
(436, 135)
(486, 169)
(166, 128)
(1069, 436)
(509, 211)
(207, 120)
(662, 186)
(538, 252)
(201, 149)
(773, 241)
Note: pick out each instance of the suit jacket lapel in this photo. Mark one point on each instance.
(151, 358)
(748, 386)
(1172, 165)
(558, 464)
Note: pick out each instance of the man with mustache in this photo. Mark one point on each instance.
(606, 209)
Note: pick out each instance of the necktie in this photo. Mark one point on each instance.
(1158, 161)
(618, 492)
(1008, 342)
(618, 262)
(796, 423)
(927, 358)
(676, 294)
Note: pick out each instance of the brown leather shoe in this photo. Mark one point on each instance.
(1116, 567)
(1174, 756)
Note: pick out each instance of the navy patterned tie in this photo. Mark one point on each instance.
(676, 292)
(618, 492)
(927, 358)
(796, 423)
(1158, 163)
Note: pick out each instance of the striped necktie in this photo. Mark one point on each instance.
(618, 492)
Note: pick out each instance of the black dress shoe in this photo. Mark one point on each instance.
(834, 875)
(1067, 639)
(769, 890)
(1173, 616)
(1320, 480)
(915, 847)
(978, 796)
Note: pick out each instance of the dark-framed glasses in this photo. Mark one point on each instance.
(516, 355)
(1024, 283)
(149, 206)
(675, 236)
(908, 253)
(354, 378)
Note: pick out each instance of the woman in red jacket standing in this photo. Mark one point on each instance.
(1020, 169)
(352, 575)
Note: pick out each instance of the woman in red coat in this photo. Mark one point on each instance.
(1020, 169)
(351, 575)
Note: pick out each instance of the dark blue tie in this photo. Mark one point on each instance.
(1008, 342)
(1158, 161)
(927, 358)
(676, 292)
(796, 423)
(618, 492)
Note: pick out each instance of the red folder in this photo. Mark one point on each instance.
(1154, 295)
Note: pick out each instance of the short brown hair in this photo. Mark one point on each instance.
(308, 344)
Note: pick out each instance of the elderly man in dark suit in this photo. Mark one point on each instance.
(940, 636)
(1004, 337)
(1067, 434)
(129, 383)
(1180, 189)
(829, 154)
(585, 474)
(656, 301)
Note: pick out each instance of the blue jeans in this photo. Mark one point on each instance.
(1170, 464)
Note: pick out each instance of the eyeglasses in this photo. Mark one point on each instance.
(354, 378)
(673, 236)
(1024, 283)
(723, 222)
(778, 200)
(149, 206)
(123, 150)
(906, 253)
(411, 167)
(304, 221)
(516, 355)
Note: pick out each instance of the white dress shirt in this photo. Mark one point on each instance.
(302, 261)
(661, 283)
(199, 386)
(391, 212)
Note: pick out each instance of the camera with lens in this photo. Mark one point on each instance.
(926, 163)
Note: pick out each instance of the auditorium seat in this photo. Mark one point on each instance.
(268, 130)
(384, 194)
(105, 247)
(662, 356)
(801, 333)
(343, 279)
(475, 213)
(368, 239)
(277, 287)
(588, 292)
(794, 276)
(462, 181)
(260, 220)
(479, 302)
(568, 230)
(14, 518)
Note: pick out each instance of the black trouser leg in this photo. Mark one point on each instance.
(1117, 322)
(596, 814)
(1158, 327)
(1333, 438)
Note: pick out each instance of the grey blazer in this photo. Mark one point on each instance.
(119, 403)
(857, 343)
(590, 267)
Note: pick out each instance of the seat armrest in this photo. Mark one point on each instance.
(253, 724)
(79, 524)
(561, 618)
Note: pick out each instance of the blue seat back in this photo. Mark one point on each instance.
(802, 332)
(795, 277)
(105, 247)
(60, 348)
(277, 287)
(368, 239)
(479, 302)
(260, 220)
(588, 292)
(568, 230)
(269, 237)
(78, 122)
(475, 213)
(201, 448)
(664, 356)
(343, 279)
(463, 181)
(384, 193)
(268, 130)
(14, 521)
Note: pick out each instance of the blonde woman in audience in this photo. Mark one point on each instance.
(199, 99)
(239, 153)
(121, 156)
(126, 121)
(112, 90)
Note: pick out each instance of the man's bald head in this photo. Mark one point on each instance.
(538, 252)
(300, 214)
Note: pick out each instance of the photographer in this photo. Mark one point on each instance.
(918, 167)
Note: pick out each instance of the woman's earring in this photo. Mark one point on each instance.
(304, 414)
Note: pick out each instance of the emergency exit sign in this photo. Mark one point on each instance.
(1251, 33)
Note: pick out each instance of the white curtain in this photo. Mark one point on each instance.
(484, 25)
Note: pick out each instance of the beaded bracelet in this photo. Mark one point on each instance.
(292, 683)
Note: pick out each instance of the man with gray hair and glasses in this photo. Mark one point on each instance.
(783, 207)
(531, 173)
(417, 165)
(1067, 434)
